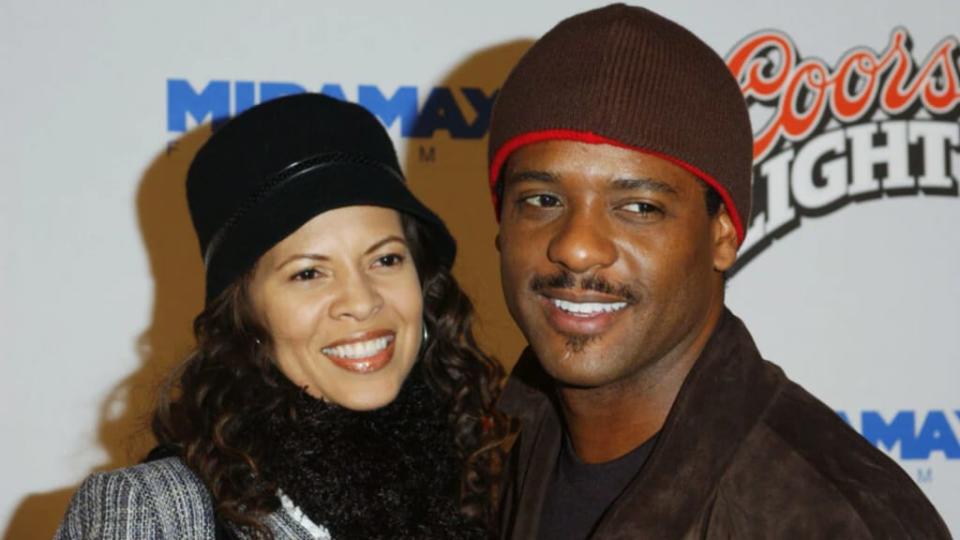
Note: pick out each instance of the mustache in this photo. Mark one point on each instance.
(566, 280)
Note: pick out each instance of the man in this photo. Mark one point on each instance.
(620, 163)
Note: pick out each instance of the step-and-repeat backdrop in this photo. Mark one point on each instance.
(850, 277)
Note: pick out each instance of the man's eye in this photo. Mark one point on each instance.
(640, 208)
(542, 201)
(306, 275)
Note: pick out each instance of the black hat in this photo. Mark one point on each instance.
(272, 168)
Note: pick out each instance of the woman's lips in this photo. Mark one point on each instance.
(366, 353)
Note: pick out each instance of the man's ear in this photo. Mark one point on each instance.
(724, 240)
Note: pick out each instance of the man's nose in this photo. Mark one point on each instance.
(582, 242)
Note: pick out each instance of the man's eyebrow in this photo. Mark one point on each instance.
(619, 184)
(540, 176)
(644, 184)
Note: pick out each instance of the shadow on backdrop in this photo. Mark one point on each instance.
(168, 237)
(450, 176)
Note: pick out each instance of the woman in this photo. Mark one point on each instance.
(336, 389)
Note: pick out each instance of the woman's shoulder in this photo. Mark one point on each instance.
(162, 484)
(151, 474)
(157, 499)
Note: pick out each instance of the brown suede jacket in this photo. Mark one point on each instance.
(744, 453)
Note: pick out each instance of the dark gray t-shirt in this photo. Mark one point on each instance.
(581, 492)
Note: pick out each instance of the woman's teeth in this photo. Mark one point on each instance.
(360, 349)
(588, 308)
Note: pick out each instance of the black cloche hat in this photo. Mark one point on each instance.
(272, 168)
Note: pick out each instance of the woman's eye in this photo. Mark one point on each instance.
(541, 201)
(392, 259)
(641, 208)
(306, 275)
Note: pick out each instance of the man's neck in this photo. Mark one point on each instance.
(607, 422)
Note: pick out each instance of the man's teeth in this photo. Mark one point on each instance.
(360, 349)
(588, 308)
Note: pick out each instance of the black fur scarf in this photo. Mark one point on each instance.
(389, 473)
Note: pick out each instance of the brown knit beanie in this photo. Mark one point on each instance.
(628, 77)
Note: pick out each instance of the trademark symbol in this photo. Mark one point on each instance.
(427, 154)
(171, 147)
(924, 475)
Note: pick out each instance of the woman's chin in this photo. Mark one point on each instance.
(365, 399)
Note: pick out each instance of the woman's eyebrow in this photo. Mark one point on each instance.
(324, 258)
(387, 240)
(296, 256)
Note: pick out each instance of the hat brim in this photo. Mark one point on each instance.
(299, 199)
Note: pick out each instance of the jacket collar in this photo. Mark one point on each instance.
(722, 398)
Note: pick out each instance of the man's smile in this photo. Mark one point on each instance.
(586, 314)
(588, 308)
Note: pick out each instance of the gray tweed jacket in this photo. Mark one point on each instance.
(158, 500)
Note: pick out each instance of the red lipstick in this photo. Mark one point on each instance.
(363, 353)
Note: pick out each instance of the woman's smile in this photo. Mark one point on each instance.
(369, 352)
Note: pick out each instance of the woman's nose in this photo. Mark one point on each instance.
(358, 298)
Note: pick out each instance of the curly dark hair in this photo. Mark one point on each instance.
(228, 384)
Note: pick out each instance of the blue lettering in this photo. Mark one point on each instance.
(935, 435)
(483, 104)
(402, 105)
(877, 431)
(244, 96)
(182, 99)
(221, 99)
(843, 416)
(440, 112)
(273, 90)
(334, 91)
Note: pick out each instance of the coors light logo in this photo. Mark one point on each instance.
(874, 124)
